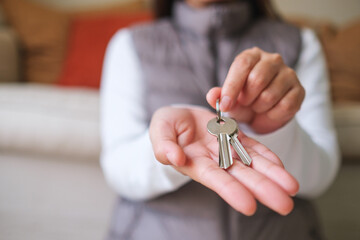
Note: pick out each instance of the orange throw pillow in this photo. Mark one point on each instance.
(89, 37)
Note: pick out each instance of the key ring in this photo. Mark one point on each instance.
(218, 112)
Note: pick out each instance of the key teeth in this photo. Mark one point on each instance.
(226, 167)
(223, 164)
(240, 150)
(225, 157)
(246, 162)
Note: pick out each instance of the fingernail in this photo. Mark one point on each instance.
(294, 194)
(225, 103)
(171, 158)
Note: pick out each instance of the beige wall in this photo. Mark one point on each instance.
(338, 11)
(78, 4)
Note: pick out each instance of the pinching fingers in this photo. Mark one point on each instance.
(236, 77)
(213, 94)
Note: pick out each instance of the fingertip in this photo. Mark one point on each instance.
(285, 180)
(212, 95)
(181, 158)
(287, 207)
(294, 188)
(209, 98)
(283, 205)
(247, 205)
(225, 103)
(250, 210)
(176, 156)
(289, 184)
(169, 153)
(171, 158)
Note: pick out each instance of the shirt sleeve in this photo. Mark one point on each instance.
(127, 157)
(307, 145)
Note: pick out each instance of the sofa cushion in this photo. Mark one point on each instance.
(2, 18)
(43, 34)
(9, 55)
(342, 50)
(92, 5)
(83, 67)
(49, 120)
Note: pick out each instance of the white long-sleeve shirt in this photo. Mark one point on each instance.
(307, 145)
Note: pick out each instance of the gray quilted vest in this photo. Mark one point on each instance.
(182, 58)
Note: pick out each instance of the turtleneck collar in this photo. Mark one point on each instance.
(215, 19)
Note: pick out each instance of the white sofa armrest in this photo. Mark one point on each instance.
(50, 120)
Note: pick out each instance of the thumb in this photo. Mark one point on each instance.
(212, 95)
(164, 138)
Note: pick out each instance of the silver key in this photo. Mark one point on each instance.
(226, 131)
(223, 129)
(240, 150)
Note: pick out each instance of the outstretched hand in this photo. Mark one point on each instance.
(179, 137)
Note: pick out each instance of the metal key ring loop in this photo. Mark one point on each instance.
(218, 112)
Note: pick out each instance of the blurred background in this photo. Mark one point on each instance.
(51, 53)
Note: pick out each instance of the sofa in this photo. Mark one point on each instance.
(51, 184)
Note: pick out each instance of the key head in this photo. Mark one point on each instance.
(227, 125)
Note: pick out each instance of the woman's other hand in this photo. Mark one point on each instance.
(259, 90)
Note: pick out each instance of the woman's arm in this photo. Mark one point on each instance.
(127, 157)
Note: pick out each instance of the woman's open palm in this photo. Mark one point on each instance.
(179, 137)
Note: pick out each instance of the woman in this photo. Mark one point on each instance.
(199, 51)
